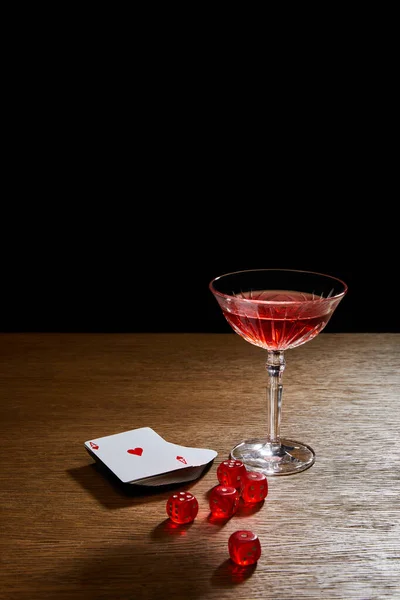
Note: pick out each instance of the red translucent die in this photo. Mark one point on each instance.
(254, 487)
(231, 472)
(244, 548)
(224, 501)
(182, 507)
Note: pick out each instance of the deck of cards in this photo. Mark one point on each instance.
(142, 457)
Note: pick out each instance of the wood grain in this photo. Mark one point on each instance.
(69, 531)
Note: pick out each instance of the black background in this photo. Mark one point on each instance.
(129, 184)
(146, 265)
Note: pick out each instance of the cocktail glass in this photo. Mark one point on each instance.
(276, 309)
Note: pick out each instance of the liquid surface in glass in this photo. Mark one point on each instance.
(277, 319)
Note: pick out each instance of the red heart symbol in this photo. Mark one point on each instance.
(183, 460)
(94, 446)
(137, 451)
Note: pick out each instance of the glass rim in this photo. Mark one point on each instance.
(255, 300)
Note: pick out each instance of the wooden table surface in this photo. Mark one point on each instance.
(69, 531)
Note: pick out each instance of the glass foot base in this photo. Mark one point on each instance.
(286, 458)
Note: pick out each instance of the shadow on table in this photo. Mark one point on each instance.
(108, 490)
(137, 571)
(228, 574)
(168, 528)
(174, 573)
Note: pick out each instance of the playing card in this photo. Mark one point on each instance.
(180, 476)
(142, 454)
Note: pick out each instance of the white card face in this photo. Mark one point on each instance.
(142, 453)
(194, 457)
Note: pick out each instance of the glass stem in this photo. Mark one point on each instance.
(275, 367)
